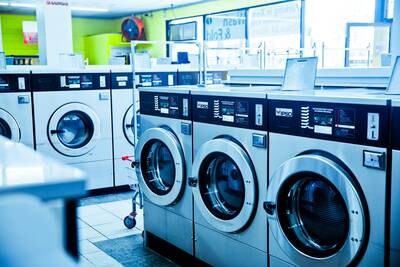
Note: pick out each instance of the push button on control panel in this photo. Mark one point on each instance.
(24, 99)
(260, 140)
(374, 160)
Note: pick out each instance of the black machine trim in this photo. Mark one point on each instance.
(240, 112)
(70, 81)
(346, 123)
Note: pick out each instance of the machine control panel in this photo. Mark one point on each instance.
(70, 81)
(170, 105)
(121, 80)
(156, 79)
(188, 77)
(230, 111)
(350, 123)
(14, 82)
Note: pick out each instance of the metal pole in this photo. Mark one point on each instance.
(135, 85)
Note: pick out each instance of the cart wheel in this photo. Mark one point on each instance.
(129, 222)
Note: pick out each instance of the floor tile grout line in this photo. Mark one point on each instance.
(109, 212)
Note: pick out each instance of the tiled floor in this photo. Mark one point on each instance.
(100, 222)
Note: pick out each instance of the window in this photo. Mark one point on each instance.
(373, 36)
(389, 9)
(325, 27)
(190, 30)
(278, 28)
(225, 36)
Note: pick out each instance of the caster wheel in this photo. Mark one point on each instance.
(129, 222)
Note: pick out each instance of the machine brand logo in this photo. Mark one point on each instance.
(284, 112)
(57, 3)
(202, 105)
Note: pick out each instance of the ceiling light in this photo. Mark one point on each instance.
(88, 9)
(23, 5)
(3, 4)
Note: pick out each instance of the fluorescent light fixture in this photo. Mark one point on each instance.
(23, 5)
(3, 4)
(88, 9)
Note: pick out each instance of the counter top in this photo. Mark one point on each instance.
(23, 170)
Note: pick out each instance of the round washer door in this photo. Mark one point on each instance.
(315, 212)
(226, 190)
(9, 127)
(128, 125)
(161, 169)
(74, 129)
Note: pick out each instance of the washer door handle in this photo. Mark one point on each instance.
(57, 131)
(269, 208)
(129, 125)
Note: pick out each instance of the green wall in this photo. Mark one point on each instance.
(13, 40)
(155, 22)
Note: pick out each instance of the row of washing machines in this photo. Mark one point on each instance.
(81, 117)
(241, 176)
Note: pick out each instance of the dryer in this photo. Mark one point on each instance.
(123, 112)
(229, 176)
(16, 122)
(327, 184)
(163, 158)
(73, 121)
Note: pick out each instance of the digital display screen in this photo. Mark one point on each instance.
(345, 116)
(345, 123)
(87, 81)
(156, 80)
(323, 119)
(164, 102)
(228, 108)
(242, 107)
(242, 112)
(4, 83)
(74, 81)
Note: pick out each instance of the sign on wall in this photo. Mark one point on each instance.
(226, 26)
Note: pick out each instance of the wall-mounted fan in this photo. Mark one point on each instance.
(132, 29)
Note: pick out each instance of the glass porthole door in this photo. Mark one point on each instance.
(225, 190)
(315, 212)
(9, 127)
(160, 166)
(74, 129)
(128, 126)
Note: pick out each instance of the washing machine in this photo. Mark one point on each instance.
(16, 122)
(229, 176)
(163, 158)
(327, 185)
(72, 113)
(123, 112)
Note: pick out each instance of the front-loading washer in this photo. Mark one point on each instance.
(229, 176)
(16, 121)
(123, 112)
(72, 113)
(163, 157)
(327, 186)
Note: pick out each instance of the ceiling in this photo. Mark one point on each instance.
(107, 8)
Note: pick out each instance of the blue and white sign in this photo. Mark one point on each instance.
(226, 26)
